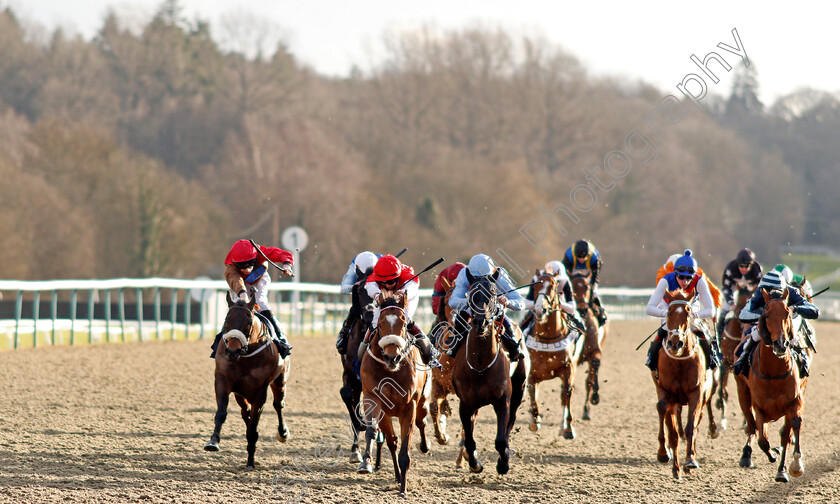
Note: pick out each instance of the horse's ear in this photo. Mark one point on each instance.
(765, 295)
(495, 275)
(537, 273)
(669, 296)
(785, 295)
(251, 303)
(401, 300)
(470, 277)
(229, 300)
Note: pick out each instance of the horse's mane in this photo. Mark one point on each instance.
(389, 302)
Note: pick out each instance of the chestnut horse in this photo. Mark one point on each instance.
(593, 342)
(682, 380)
(442, 376)
(351, 389)
(774, 388)
(552, 355)
(395, 384)
(729, 341)
(247, 364)
(482, 373)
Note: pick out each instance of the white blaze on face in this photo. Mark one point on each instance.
(538, 307)
(392, 319)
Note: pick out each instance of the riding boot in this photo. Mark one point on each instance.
(743, 363)
(721, 321)
(577, 322)
(712, 359)
(215, 345)
(282, 344)
(653, 354)
(511, 345)
(526, 322)
(600, 313)
(428, 352)
(460, 332)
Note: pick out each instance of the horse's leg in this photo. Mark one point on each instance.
(567, 376)
(278, 391)
(782, 476)
(517, 382)
(244, 408)
(223, 389)
(763, 441)
(673, 419)
(745, 403)
(723, 394)
(533, 396)
(679, 422)
(366, 467)
(468, 422)
(662, 454)
(592, 379)
(350, 395)
(422, 411)
(797, 468)
(252, 434)
(435, 408)
(386, 425)
(502, 408)
(406, 429)
(692, 422)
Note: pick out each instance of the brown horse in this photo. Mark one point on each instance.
(442, 376)
(395, 384)
(774, 388)
(682, 380)
(247, 364)
(482, 374)
(729, 341)
(593, 343)
(550, 332)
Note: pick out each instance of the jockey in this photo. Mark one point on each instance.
(360, 267)
(584, 259)
(245, 272)
(567, 302)
(774, 284)
(389, 274)
(741, 274)
(482, 265)
(438, 294)
(795, 280)
(685, 277)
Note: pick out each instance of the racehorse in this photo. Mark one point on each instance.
(559, 357)
(729, 341)
(774, 388)
(682, 379)
(351, 389)
(482, 373)
(593, 342)
(395, 384)
(442, 376)
(247, 364)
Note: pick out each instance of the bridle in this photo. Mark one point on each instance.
(243, 352)
(377, 334)
(679, 333)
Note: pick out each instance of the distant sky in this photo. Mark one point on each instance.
(792, 44)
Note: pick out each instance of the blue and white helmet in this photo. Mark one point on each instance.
(685, 265)
(481, 265)
(773, 280)
(553, 267)
(365, 261)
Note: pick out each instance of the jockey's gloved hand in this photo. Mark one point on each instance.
(503, 300)
(286, 269)
(243, 296)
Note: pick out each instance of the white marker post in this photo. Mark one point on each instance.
(295, 239)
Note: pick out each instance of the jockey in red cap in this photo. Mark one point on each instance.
(389, 274)
(245, 273)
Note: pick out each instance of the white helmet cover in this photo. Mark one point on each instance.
(365, 261)
(481, 265)
(553, 267)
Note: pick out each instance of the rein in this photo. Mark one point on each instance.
(754, 368)
(495, 358)
(679, 332)
(262, 333)
(409, 341)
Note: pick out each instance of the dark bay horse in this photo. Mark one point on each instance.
(593, 341)
(774, 388)
(550, 330)
(682, 380)
(482, 373)
(729, 341)
(247, 364)
(351, 390)
(395, 384)
(442, 376)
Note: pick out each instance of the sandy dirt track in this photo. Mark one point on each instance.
(127, 423)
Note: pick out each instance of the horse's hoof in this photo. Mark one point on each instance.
(534, 427)
(211, 446)
(723, 424)
(569, 434)
(402, 494)
(746, 463)
(250, 467)
(595, 399)
(663, 459)
(585, 415)
(502, 466)
(423, 447)
(714, 433)
(797, 468)
(442, 439)
(691, 464)
(283, 436)
(782, 477)
(719, 403)
(365, 468)
(478, 467)
(355, 457)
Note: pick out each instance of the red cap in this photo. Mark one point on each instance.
(387, 268)
(241, 251)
